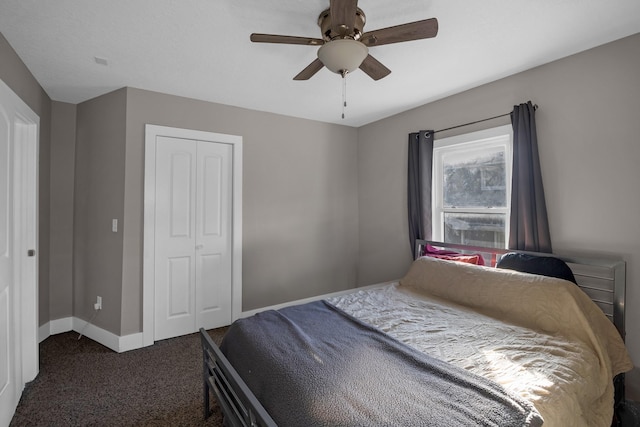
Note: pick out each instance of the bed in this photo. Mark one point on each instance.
(449, 344)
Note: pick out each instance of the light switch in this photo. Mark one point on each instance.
(114, 225)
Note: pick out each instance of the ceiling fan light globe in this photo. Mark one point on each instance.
(342, 55)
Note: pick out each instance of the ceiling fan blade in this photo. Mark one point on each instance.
(343, 16)
(274, 38)
(310, 71)
(374, 68)
(401, 33)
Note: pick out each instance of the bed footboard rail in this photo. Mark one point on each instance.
(238, 404)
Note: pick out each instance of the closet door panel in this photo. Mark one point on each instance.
(213, 234)
(176, 163)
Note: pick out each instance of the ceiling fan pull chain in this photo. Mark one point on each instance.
(344, 93)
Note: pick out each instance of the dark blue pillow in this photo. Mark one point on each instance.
(542, 265)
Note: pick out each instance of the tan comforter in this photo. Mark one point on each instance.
(539, 337)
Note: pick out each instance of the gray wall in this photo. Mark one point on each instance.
(15, 74)
(588, 126)
(300, 233)
(63, 147)
(99, 198)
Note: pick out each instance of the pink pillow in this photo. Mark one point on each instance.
(470, 259)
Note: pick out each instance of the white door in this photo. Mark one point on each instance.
(192, 236)
(7, 316)
(18, 293)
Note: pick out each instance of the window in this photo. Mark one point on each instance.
(472, 188)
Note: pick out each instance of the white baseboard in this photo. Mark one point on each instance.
(108, 339)
(59, 326)
(55, 327)
(130, 342)
(44, 332)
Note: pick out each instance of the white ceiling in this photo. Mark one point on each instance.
(201, 49)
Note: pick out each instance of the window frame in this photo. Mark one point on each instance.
(500, 136)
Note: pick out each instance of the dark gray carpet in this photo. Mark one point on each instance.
(82, 383)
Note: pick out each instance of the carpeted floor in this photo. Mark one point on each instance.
(82, 383)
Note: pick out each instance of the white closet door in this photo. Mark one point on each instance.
(192, 236)
(213, 235)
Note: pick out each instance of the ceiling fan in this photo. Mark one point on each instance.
(344, 47)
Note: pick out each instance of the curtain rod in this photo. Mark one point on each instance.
(535, 107)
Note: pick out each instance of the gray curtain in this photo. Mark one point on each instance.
(529, 226)
(419, 186)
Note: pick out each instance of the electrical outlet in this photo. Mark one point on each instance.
(98, 304)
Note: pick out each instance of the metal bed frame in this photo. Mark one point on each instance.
(602, 279)
(238, 404)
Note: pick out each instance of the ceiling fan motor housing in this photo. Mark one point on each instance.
(325, 24)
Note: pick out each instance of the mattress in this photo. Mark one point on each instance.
(537, 337)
